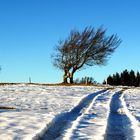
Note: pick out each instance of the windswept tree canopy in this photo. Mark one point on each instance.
(87, 48)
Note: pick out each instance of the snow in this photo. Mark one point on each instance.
(76, 112)
(132, 109)
(132, 98)
(35, 106)
(94, 118)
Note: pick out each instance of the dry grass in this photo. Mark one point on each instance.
(45, 84)
(62, 84)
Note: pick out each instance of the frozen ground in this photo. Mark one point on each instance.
(132, 98)
(69, 113)
(35, 106)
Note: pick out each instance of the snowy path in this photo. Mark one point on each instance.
(121, 123)
(59, 124)
(102, 115)
(91, 124)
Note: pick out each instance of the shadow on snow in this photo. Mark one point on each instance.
(60, 123)
(119, 125)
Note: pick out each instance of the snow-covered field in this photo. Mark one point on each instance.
(35, 106)
(132, 97)
(69, 113)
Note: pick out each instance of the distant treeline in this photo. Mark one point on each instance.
(85, 80)
(126, 78)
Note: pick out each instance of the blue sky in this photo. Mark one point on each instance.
(30, 29)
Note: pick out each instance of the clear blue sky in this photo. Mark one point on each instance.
(29, 30)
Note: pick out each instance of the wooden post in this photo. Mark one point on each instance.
(30, 80)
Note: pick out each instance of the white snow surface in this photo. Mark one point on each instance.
(35, 106)
(132, 99)
(94, 118)
(92, 124)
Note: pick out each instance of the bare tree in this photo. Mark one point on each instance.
(81, 49)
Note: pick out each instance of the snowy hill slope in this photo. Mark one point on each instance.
(35, 106)
(68, 113)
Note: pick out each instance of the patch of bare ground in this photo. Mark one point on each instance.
(6, 107)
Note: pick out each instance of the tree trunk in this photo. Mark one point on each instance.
(65, 77)
(71, 80)
(71, 76)
(65, 80)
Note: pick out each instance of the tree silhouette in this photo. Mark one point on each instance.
(110, 80)
(132, 78)
(85, 80)
(81, 49)
(138, 79)
(125, 78)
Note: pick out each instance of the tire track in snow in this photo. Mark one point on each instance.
(92, 123)
(134, 121)
(58, 125)
(121, 124)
